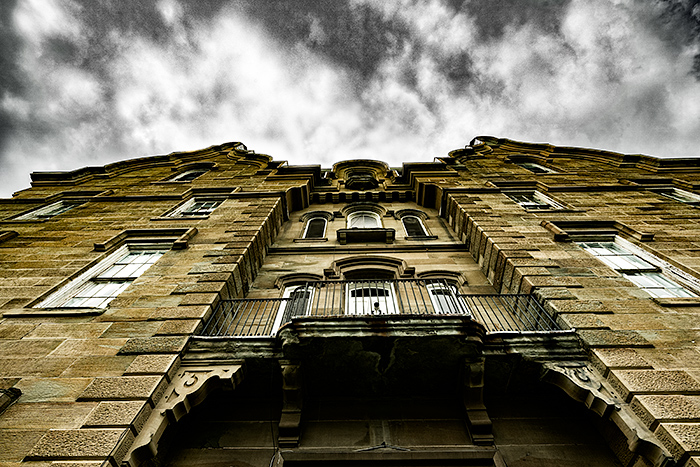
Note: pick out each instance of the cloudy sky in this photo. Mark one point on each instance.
(85, 82)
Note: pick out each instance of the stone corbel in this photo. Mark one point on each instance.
(189, 388)
(292, 400)
(480, 426)
(582, 385)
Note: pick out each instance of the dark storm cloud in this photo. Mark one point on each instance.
(87, 83)
(493, 18)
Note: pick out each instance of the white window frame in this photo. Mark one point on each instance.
(182, 210)
(48, 211)
(420, 222)
(325, 226)
(96, 275)
(446, 300)
(179, 177)
(288, 291)
(682, 196)
(651, 274)
(538, 200)
(354, 215)
(384, 305)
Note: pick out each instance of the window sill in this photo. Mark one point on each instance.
(677, 301)
(421, 238)
(310, 240)
(59, 312)
(166, 218)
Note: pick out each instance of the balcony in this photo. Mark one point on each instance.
(319, 300)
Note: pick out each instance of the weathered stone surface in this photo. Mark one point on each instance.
(154, 365)
(29, 347)
(156, 344)
(179, 327)
(680, 438)
(119, 414)
(182, 312)
(51, 389)
(125, 388)
(23, 367)
(665, 408)
(612, 338)
(98, 366)
(14, 444)
(85, 347)
(43, 415)
(15, 331)
(131, 329)
(85, 444)
(605, 359)
(693, 462)
(70, 330)
(631, 382)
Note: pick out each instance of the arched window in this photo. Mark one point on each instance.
(364, 220)
(413, 226)
(315, 228)
(189, 175)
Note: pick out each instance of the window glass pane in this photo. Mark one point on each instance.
(363, 220)
(99, 290)
(315, 228)
(413, 225)
(371, 297)
(189, 175)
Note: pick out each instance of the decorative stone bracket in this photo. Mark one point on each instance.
(480, 425)
(188, 389)
(292, 399)
(585, 386)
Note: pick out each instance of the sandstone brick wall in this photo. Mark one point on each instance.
(89, 380)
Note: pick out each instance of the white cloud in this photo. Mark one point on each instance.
(604, 79)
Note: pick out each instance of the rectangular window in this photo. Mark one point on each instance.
(536, 168)
(47, 212)
(658, 278)
(370, 298)
(102, 283)
(680, 195)
(534, 200)
(445, 299)
(195, 207)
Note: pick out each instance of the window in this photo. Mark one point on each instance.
(195, 207)
(189, 175)
(648, 273)
(536, 168)
(315, 228)
(445, 299)
(47, 212)
(102, 283)
(413, 226)
(534, 200)
(364, 220)
(297, 303)
(370, 297)
(680, 195)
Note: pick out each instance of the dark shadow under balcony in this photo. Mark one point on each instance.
(377, 300)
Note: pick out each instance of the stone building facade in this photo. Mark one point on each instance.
(508, 304)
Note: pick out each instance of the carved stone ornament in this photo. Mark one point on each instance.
(188, 389)
(583, 385)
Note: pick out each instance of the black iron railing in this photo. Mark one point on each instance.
(256, 317)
